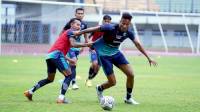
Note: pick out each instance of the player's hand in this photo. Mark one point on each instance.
(72, 62)
(89, 44)
(152, 62)
(76, 33)
(82, 49)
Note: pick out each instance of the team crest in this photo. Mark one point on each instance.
(124, 34)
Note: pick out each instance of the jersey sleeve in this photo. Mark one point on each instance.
(70, 34)
(131, 35)
(105, 27)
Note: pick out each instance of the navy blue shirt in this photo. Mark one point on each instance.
(109, 44)
(113, 36)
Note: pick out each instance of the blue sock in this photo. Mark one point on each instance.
(100, 88)
(40, 84)
(91, 72)
(73, 75)
(65, 84)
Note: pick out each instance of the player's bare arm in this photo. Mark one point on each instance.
(88, 30)
(77, 44)
(141, 49)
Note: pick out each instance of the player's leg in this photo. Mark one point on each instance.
(94, 68)
(73, 55)
(107, 66)
(121, 62)
(51, 69)
(129, 83)
(64, 68)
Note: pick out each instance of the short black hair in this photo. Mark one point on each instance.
(79, 9)
(107, 17)
(126, 16)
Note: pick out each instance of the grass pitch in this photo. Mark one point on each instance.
(174, 86)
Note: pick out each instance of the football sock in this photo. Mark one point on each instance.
(129, 91)
(73, 75)
(65, 84)
(39, 85)
(91, 72)
(100, 88)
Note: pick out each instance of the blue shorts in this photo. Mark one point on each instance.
(56, 61)
(108, 61)
(73, 53)
(93, 56)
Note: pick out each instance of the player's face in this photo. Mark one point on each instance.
(76, 25)
(79, 14)
(124, 24)
(106, 21)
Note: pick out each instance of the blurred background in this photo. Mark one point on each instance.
(29, 27)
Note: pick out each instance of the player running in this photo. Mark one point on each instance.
(94, 68)
(74, 52)
(56, 60)
(108, 52)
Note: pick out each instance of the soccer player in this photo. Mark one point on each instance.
(74, 52)
(56, 60)
(94, 68)
(108, 52)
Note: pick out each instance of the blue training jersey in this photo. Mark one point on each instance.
(109, 44)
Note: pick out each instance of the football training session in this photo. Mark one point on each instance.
(100, 55)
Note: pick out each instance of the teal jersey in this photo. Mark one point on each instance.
(54, 55)
(104, 49)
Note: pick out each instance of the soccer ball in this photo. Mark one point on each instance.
(107, 102)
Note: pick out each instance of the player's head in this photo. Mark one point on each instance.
(106, 19)
(75, 23)
(79, 14)
(125, 21)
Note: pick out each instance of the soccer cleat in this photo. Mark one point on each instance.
(88, 83)
(99, 93)
(75, 87)
(131, 101)
(62, 101)
(28, 95)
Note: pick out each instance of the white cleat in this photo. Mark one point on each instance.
(131, 101)
(99, 93)
(63, 101)
(88, 83)
(75, 87)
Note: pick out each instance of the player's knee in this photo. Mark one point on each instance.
(67, 72)
(131, 76)
(73, 64)
(96, 68)
(50, 78)
(112, 82)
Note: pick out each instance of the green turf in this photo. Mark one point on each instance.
(174, 86)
